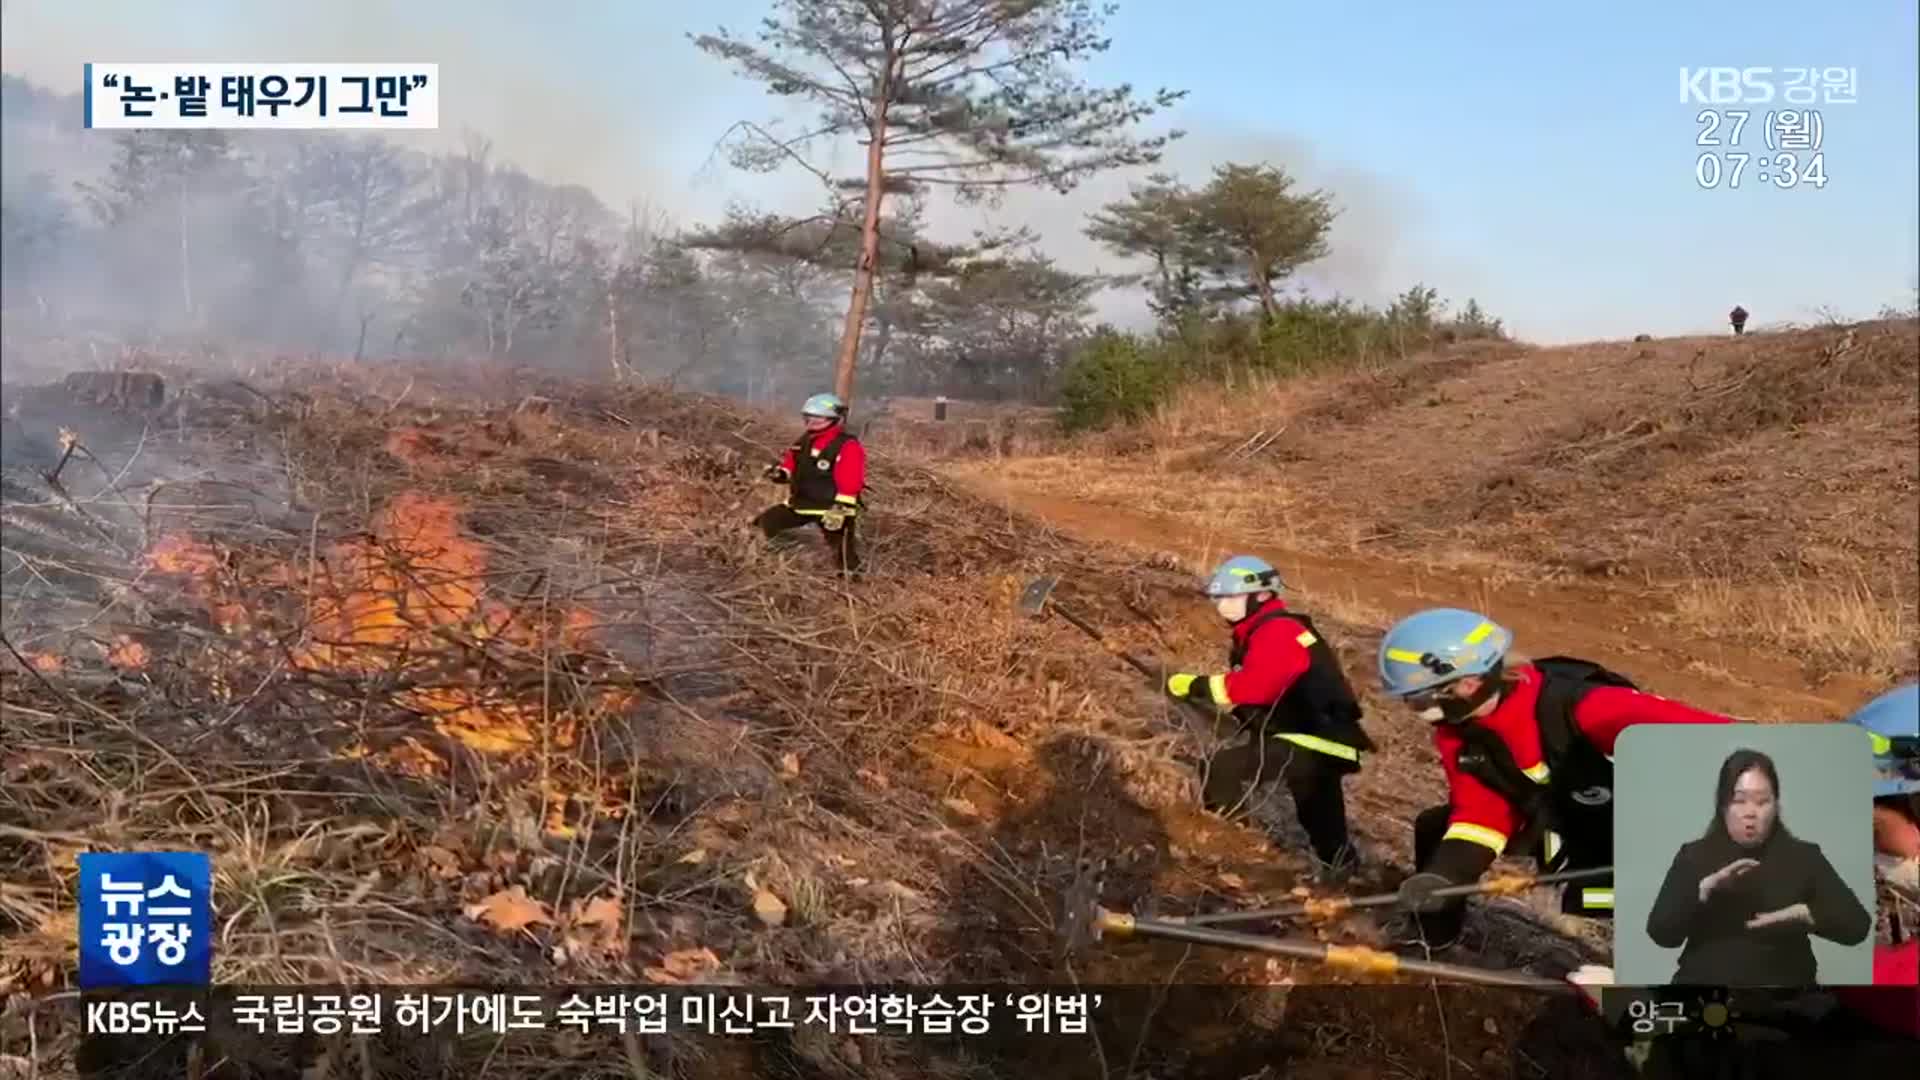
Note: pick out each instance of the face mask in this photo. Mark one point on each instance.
(1901, 874)
(1231, 608)
(1442, 706)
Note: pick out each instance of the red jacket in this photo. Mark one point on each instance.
(849, 472)
(1275, 658)
(1893, 965)
(1482, 816)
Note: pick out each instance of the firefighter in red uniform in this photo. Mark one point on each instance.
(824, 470)
(1892, 721)
(1286, 687)
(1528, 753)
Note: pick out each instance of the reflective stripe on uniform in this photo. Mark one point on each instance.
(850, 500)
(1552, 845)
(1325, 746)
(1598, 899)
(1306, 638)
(1217, 687)
(1477, 834)
(1538, 774)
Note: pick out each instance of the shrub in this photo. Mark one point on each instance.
(1114, 377)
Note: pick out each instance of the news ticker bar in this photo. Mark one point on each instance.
(227, 1012)
(645, 1010)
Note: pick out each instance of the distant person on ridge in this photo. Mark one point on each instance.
(824, 470)
(1738, 317)
(1284, 684)
(1527, 749)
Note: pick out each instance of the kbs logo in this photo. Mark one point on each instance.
(1726, 85)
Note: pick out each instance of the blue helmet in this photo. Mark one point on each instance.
(1243, 575)
(1894, 715)
(828, 406)
(1438, 646)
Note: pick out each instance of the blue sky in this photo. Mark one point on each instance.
(1535, 156)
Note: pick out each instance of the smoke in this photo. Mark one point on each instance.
(1368, 256)
(544, 92)
(610, 96)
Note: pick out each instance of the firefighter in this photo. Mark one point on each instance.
(1738, 317)
(1892, 721)
(825, 470)
(1285, 686)
(1528, 754)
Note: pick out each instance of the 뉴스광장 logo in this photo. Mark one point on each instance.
(146, 919)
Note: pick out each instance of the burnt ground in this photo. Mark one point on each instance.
(497, 689)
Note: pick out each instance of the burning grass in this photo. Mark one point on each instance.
(508, 693)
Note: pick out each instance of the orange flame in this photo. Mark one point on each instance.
(418, 574)
(127, 653)
(196, 561)
(411, 594)
(176, 554)
(416, 587)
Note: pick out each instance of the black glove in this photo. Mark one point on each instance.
(778, 474)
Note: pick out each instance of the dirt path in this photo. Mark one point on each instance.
(1608, 625)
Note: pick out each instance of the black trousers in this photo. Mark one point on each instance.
(1584, 844)
(843, 542)
(1312, 778)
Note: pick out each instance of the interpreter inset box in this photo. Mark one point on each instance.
(1743, 855)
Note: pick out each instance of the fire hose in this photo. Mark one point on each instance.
(1334, 906)
(1084, 921)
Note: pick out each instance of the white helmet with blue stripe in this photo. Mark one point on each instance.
(1243, 575)
(1893, 715)
(1438, 646)
(826, 406)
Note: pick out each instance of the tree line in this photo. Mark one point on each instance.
(354, 245)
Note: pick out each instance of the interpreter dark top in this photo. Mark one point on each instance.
(1720, 949)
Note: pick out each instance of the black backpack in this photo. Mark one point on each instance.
(1564, 681)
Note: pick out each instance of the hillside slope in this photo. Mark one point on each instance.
(1745, 506)
(487, 682)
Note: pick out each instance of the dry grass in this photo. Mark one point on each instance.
(391, 650)
(977, 431)
(1835, 626)
(1687, 477)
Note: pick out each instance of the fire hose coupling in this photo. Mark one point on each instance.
(1361, 958)
(1507, 886)
(1331, 907)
